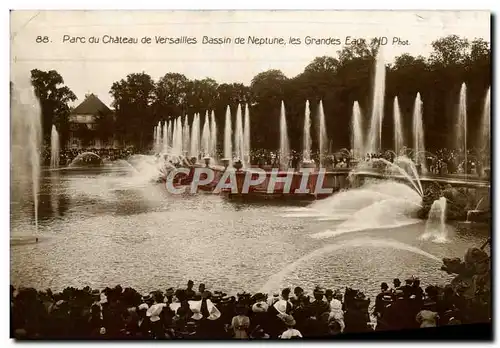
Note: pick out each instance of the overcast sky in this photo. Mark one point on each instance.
(88, 67)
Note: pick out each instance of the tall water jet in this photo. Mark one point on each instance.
(377, 116)
(205, 137)
(228, 146)
(26, 138)
(155, 140)
(306, 135)
(399, 142)
(418, 135)
(158, 137)
(54, 148)
(213, 136)
(238, 135)
(185, 136)
(169, 135)
(435, 227)
(284, 143)
(461, 125)
(195, 136)
(164, 140)
(246, 135)
(322, 136)
(484, 140)
(357, 131)
(177, 142)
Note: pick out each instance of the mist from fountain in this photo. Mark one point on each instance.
(205, 136)
(323, 137)
(399, 141)
(213, 136)
(195, 137)
(357, 131)
(284, 143)
(275, 282)
(238, 135)
(54, 148)
(461, 125)
(306, 135)
(228, 146)
(418, 135)
(246, 135)
(26, 140)
(374, 143)
(435, 226)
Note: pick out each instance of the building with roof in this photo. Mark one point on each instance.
(91, 125)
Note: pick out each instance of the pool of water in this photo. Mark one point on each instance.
(106, 228)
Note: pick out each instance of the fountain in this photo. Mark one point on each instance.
(418, 136)
(26, 138)
(276, 281)
(228, 146)
(375, 134)
(461, 125)
(54, 148)
(238, 135)
(195, 137)
(185, 137)
(158, 137)
(483, 143)
(357, 131)
(399, 142)
(213, 136)
(165, 137)
(246, 135)
(435, 227)
(306, 135)
(205, 137)
(323, 138)
(284, 144)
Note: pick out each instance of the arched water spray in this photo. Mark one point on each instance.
(276, 280)
(284, 143)
(399, 141)
(213, 136)
(238, 135)
(322, 136)
(26, 139)
(228, 146)
(205, 137)
(357, 131)
(418, 135)
(375, 133)
(54, 148)
(246, 135)
(461, 125)
(306, 134)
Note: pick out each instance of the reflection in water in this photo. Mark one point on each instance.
(103, 228)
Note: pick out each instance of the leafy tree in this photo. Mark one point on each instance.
(54, 98)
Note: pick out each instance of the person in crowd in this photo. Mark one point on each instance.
(290, 332)
(336, 313)
(240, 323)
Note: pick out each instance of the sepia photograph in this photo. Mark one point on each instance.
(250, 175)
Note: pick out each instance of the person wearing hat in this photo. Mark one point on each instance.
(319, 305)
(336, 312)
(283, 306)
(380, 304)
(396, 285)
(240, 323)
(190, 293)
(154, 312)
(290, 332)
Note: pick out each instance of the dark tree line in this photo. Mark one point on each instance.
(140, 102)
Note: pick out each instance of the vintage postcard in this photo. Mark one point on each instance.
(250, 175)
